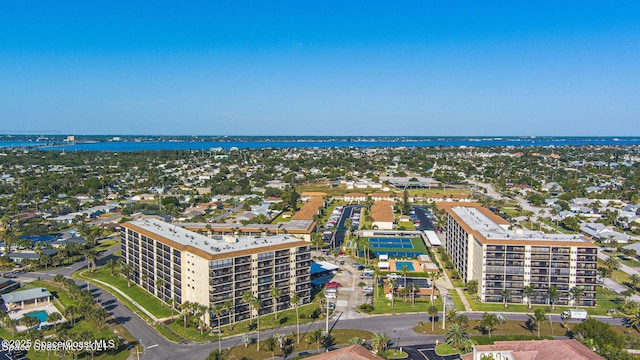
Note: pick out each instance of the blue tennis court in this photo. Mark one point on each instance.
(392, 246)
(390, 240)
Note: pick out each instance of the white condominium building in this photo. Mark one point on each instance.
(174, 263)
(484, 247)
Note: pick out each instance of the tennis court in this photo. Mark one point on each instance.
(396, 247)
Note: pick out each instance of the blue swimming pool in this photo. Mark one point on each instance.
(40, 315)
(401, 264)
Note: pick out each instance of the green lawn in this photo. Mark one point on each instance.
(629, 261)
(139, 295)
(340, 336)
(395, 354)
(406, 225)
(107, 244)
(446, 349)
(383, 305)
(605, 300)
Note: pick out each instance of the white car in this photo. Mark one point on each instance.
(330, 295)
(393, 276)
(367, 289)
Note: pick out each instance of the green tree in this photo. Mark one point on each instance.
(506, 294)
(217, 310)
(576, 293)
(247, 296)
(456, 335)
(612, 263)
(275, 294)
(271, 344)
(432, 311)
(256, 304)
(294, 300)
(316, 337)
(380, 342)
(537, 318)
(126, 271)
(553, 294)
(528, 291)
(472, 287)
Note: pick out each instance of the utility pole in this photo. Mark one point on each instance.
(444, 311)
(326, 328)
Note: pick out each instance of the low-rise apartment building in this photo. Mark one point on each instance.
(484, 247)
(171, 262)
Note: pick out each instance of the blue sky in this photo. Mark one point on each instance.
(320, 68)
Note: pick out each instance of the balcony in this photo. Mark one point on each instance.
(215, 273)
(303, 257)
(243, 284)
(243, 268)
(265, 272)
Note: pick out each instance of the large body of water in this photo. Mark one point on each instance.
(318, 143)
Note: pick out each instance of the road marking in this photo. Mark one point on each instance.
(152, 346)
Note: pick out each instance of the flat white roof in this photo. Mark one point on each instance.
(433, 239)
(215, 245)
(491, 230)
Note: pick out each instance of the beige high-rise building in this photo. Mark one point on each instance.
(484, 247)
(174, 263)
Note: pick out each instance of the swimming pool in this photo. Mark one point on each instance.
(40, 315)
(401, 264)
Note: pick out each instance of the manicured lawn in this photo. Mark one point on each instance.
(446, 349)
(107, 244)
(139, 295)
(383, 305)
(250, 352)
(629, 261)
(406, 225)
(605, 300)
(509, 328)
(395, 354)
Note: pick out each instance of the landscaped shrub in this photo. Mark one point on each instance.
(366, 308)
(486, 340)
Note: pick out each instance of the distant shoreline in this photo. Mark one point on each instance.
(151, 143)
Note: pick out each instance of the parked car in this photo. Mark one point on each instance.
(367, 289)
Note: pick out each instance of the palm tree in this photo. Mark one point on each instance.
(159, 286)
(488, 322)
(294, 299)
(217, 311)
(456, 335)
(59, 279)
(316, 337)
(275, 294)
(126, 270)
(528, 291)
(634, 321)
(612, 263)
(538, 317)
(635, 279)
(271, 345)
(71, 312)
(53, 318)
(380, 341)
(451, 315)
(111, 265)
(393, 285)
(228, 308)
(506, 293)
(553, 294)
(432, 311)
(575, 293)
(145, 280)
(376, 279)
(247, 296)
(186, 311)
(255, 305)
(414, 288)
(404, 270)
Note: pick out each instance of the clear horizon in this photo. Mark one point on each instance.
(295, 69)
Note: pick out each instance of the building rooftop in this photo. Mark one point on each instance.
(478, 221)
(216, 245)
(353, 352)
(25, 295)
(536, 349)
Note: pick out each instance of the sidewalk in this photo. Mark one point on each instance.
(465, 302)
